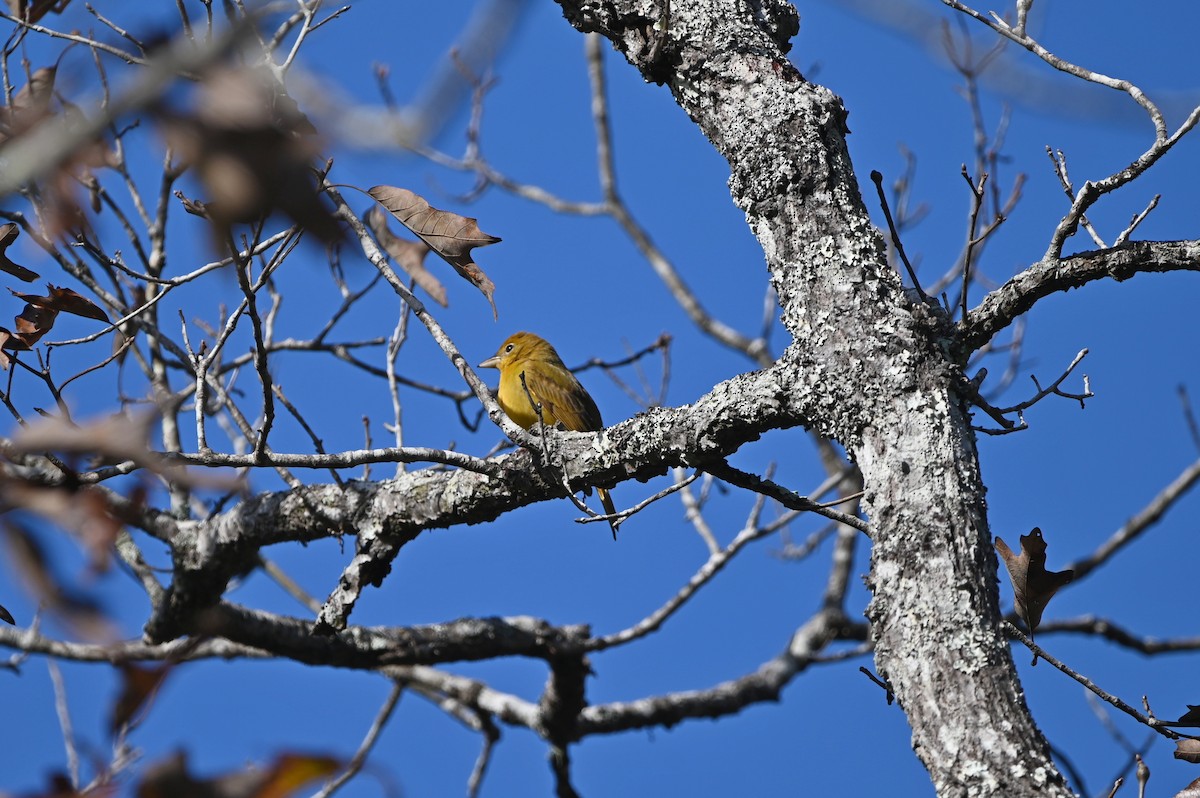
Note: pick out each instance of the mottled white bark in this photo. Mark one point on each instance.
(866, 366)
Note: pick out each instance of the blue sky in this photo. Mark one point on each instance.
(1078, 474)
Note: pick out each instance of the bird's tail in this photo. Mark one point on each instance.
(609, 509)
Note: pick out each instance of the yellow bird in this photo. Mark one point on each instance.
(551, 386)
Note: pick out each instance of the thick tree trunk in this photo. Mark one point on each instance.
(870, 369)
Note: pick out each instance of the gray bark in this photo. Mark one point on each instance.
(866, 366)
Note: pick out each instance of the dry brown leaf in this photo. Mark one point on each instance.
(29, 108)
(10, 340)
(32, 12)
(114, 438)
(471, 271)
(59, 208)
(32, 102)
(170, 778)
(32, 323)
(66, 301)
(1188, 750)
(93, 154)
(84, 512)
(1189, 718)
(80, 613)
(1190, 791)
(410, 255)
(252, 150)
(448, 234)
(290, 772)
(93, 189)
(6, 616)
(138, 686)
(8, 234)
(1033, 585)
(38, 316)
(5, 360)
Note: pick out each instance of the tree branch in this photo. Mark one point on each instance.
(363, 648)
(727, 698)
(1003, 306)
(207, 554)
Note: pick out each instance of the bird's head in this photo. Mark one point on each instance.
(520, 347)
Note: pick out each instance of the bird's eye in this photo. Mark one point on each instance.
(508, 348)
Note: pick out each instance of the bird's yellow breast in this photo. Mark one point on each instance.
(515, 402)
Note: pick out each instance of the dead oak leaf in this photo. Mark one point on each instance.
(1189, 718)
(33, 11)
(38, 316)
(408, 255)
(94, 154)
(113, 438)
(1188, 750)
(290, 771)
(30, 105)
(8, 234)
(85, 512)
(30, 325)
(34, 321)
(66, 301)
(31, 108)
(252, 149)
(5, 337)
(1033, 585)
(79, 611)
(138, 686)
(284, 777)
(448, 234)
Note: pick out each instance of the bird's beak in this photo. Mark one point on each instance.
(492, 362)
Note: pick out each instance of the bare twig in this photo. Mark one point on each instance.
(1124, 235)
(64, 720)
(1146, 518)
(491, 735)
(1054, 388)
(693, 511)
(1091, 191)
(787, 498)
(710, 569)
(1040, 653)
(1189, 416)
(1013, 299)
(1059, 159)
(877, 179)
(977, 197)
(637, 508)
(364, 749)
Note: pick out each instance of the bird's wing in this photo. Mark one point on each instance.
(568, 403)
